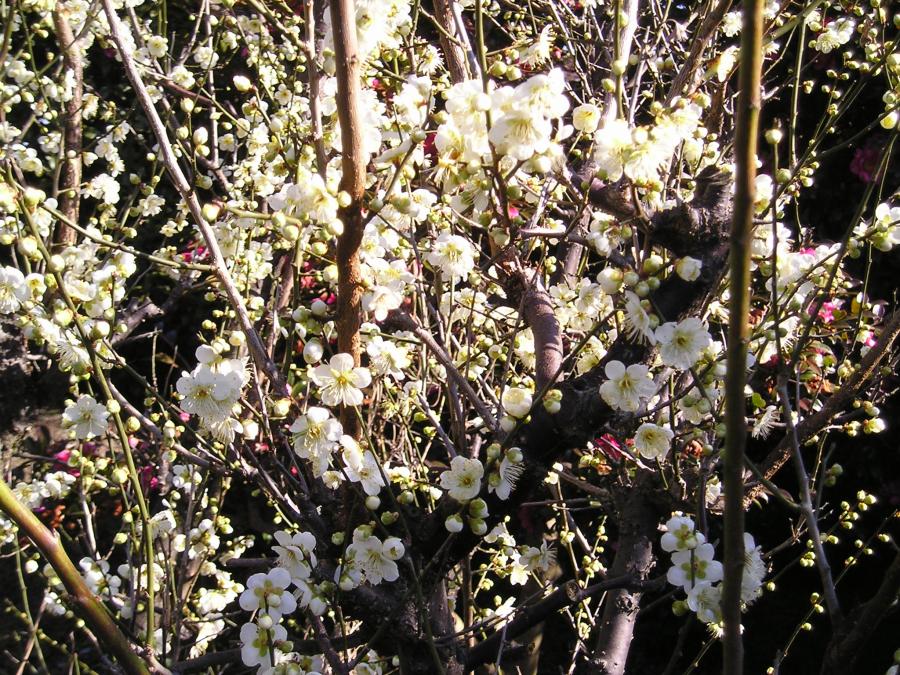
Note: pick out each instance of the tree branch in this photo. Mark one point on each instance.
(85, 604)
(353, 165)
(846, 645)
(746, 131)
(254, 343)
(566, 595)
(70, 184)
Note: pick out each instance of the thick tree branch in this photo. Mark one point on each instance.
(85, 604)
(634, 558)
(450, 42)
(564, 596)
(353, 165)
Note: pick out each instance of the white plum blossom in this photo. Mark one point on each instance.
(503, 481)
(361, 466)
(315, 435)
(388, 357)
(681, 344)
(837, 33)
(453, 255)
(370, 558)
(653, 441)
(586, 118)
(626, 388)
(681, 535)
(638, 322)
(341, 382)
(13, 290)
(295, 554)
(86, 417)
(612, 145)
(688, 268)
(705, 600)
(754, 570)
(267, 592)
(694, 566)
(462, 480)
(257, 643)
(516, 401)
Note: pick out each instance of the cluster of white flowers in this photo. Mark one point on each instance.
(696, 571)
(640, 153)
(368, 558)
(264, 640)
(212, 390)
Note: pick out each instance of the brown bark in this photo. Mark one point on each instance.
(453, 52)
(353, 164)
(70, 177)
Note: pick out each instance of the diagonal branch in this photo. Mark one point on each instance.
(833, 406)
(86, 605)
(846, 645)
(257, 348)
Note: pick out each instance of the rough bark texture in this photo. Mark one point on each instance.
(449, 39)
(634, 558)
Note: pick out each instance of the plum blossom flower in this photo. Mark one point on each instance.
(653, 441)
(340, 382)
(87, 417)
(374, 558)
(612, 145)
(452, 254)
(838, 32)
(462, 480)
(208, 394)
(388, 357)
(681, 535)
(681, 344)
(503, 481)
(267, 591)
(754, 570)
(694, 566)
(638, 323)
(257, 643)
(688, 268)
(315, 435)
(295, 554)
(13, 290)
(516, 401)
(626, 387)
(586, 118)
(706, 600)
(361, 466)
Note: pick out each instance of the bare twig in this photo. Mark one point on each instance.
(846, 646)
